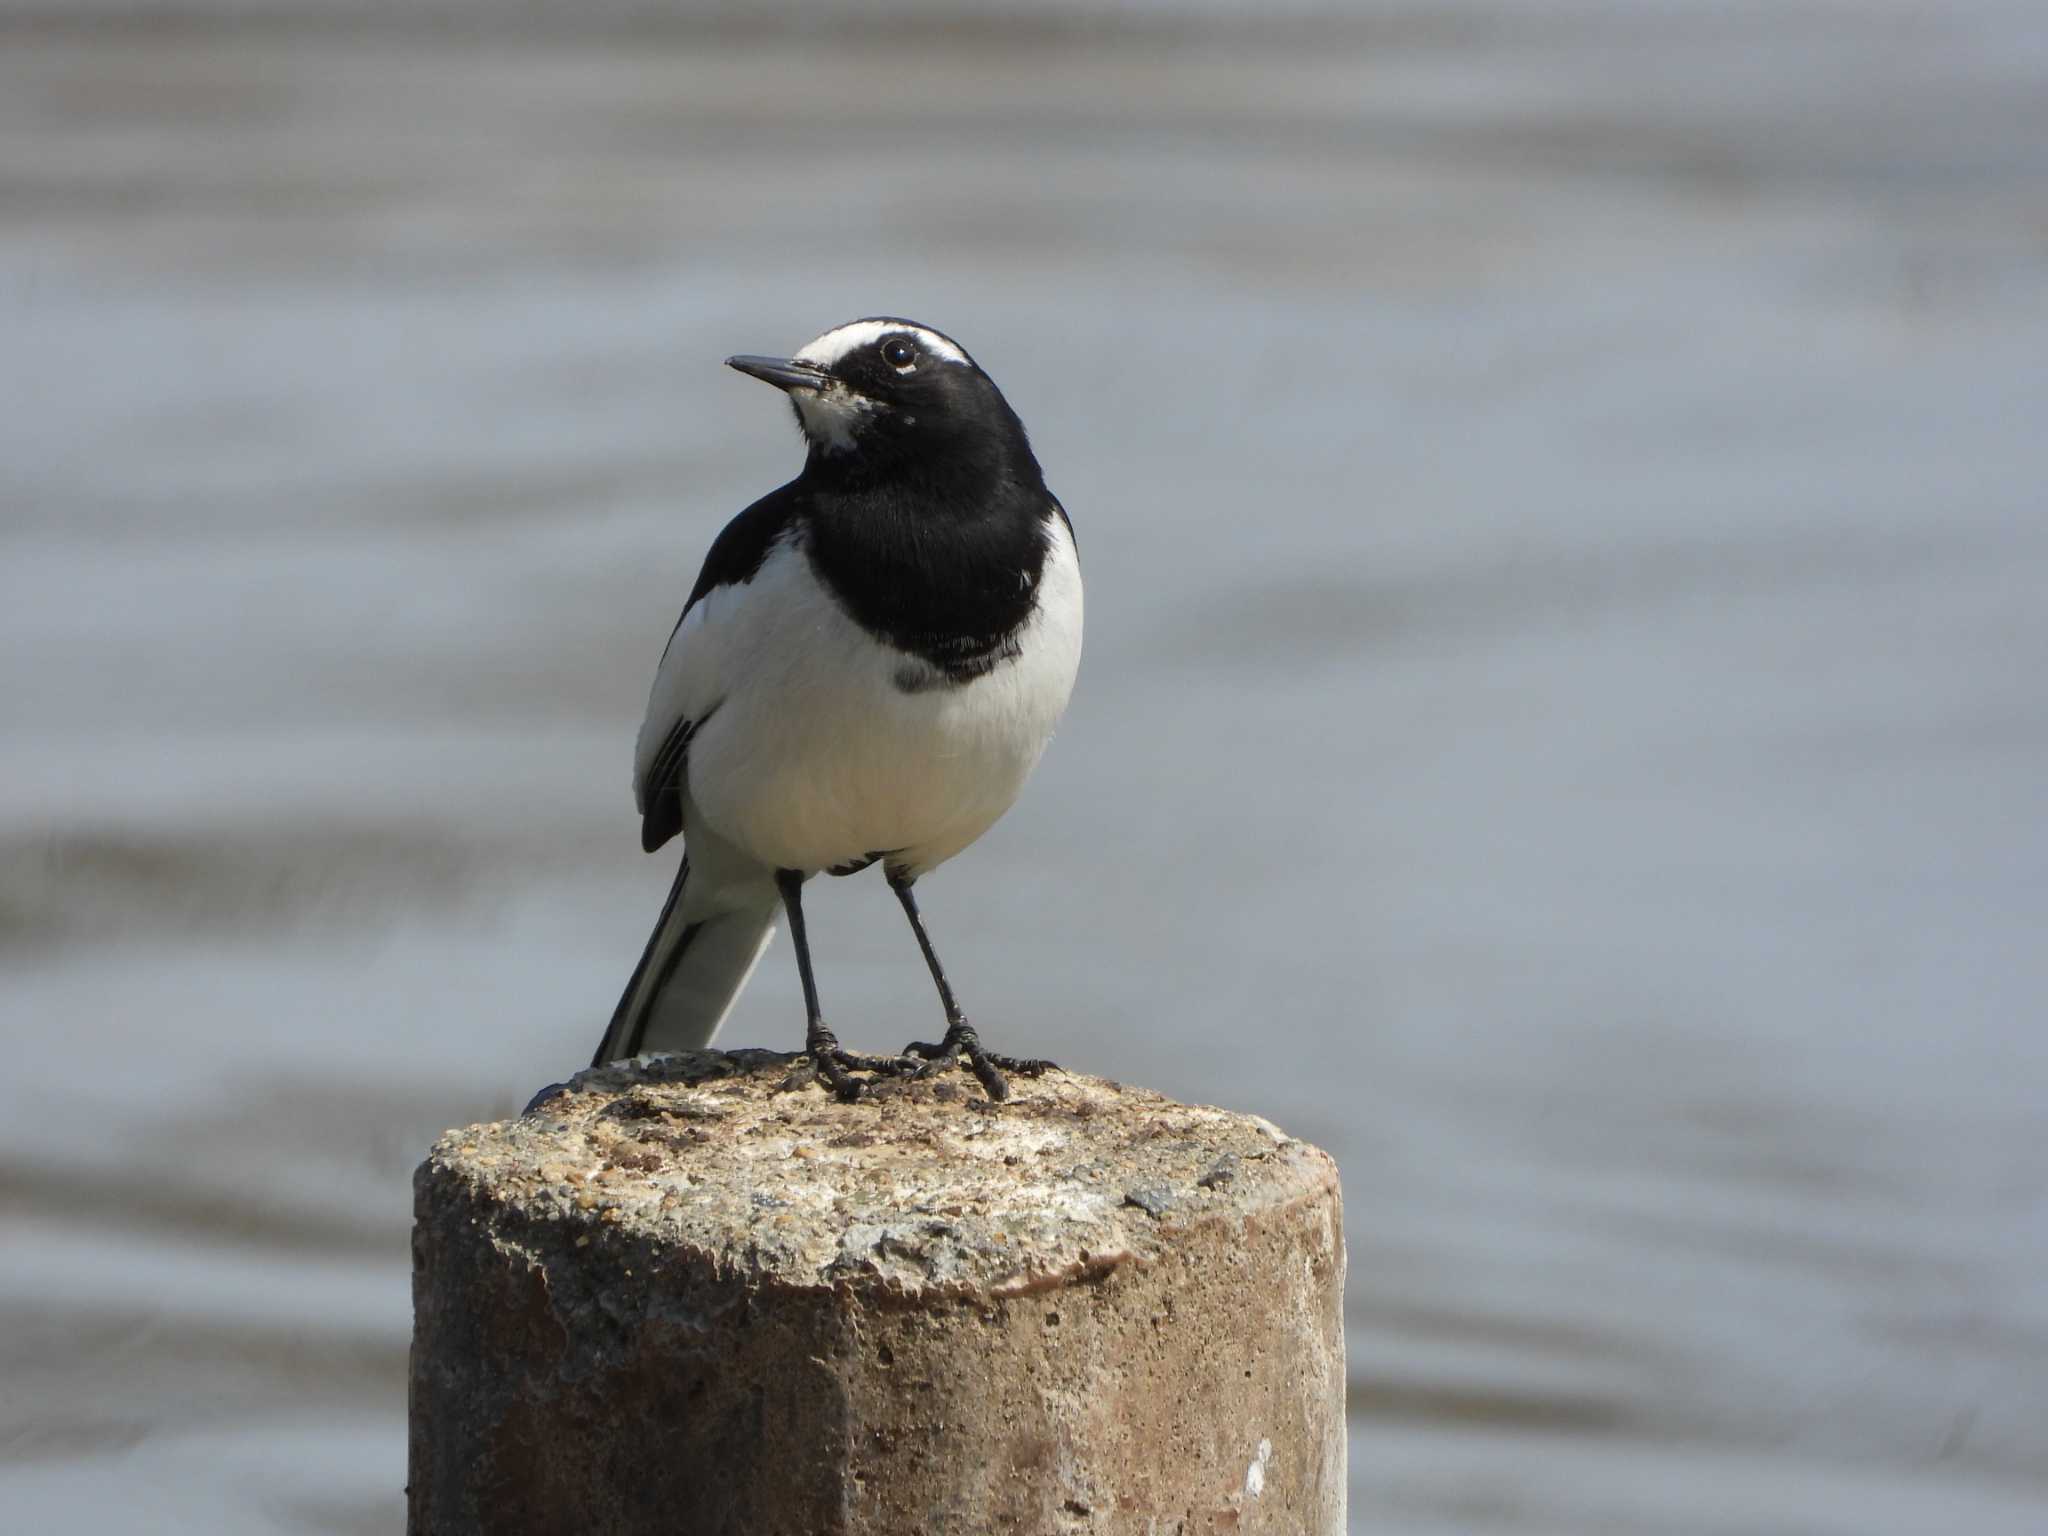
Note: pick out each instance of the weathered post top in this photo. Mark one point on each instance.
(684, 1295)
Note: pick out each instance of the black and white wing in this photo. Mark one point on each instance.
(692, 679)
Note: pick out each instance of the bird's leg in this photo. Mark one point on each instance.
(830, 1062)
(961, 1039)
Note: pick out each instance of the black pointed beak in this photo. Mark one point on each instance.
(782, 372)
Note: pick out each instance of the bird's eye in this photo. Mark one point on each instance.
(899, 354)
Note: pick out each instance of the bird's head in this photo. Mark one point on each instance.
(881, 391)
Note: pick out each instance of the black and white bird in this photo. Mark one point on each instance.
(868, 668)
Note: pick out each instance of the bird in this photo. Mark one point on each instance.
(869, 666)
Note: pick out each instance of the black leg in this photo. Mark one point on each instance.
(820, 1044)
(961, 1039)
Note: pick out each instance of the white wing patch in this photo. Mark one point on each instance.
(698, 668)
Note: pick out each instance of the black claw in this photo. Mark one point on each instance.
(829, 1072)
(963, 1044)
(991, 1080)
(1025, 1066)
(824, 1061)
(833, 1066)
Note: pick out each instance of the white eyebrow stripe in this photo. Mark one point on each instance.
(843, 340)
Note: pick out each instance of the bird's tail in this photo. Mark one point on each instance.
(687, 979)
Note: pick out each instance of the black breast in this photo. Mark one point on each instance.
(950, 584)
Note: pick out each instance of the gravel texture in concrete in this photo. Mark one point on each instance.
(697, 1293)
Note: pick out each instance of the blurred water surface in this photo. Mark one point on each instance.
(1563, 726)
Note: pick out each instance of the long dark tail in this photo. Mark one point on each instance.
(687, 979)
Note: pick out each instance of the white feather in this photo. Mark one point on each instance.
(811, 754)
(832, 415)
(843, 340)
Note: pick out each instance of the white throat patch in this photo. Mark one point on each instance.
(831, 416)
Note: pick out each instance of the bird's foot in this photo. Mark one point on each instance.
(834, 1066)
(962, 1043)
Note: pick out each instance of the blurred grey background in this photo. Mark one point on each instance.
(1564, 722)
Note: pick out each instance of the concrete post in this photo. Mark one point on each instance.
(687, 1297)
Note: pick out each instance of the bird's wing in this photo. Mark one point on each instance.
(1065, 519)
(691, 681)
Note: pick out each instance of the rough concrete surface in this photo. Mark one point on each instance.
(695, 1294)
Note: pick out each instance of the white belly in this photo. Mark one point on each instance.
(819, 757)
